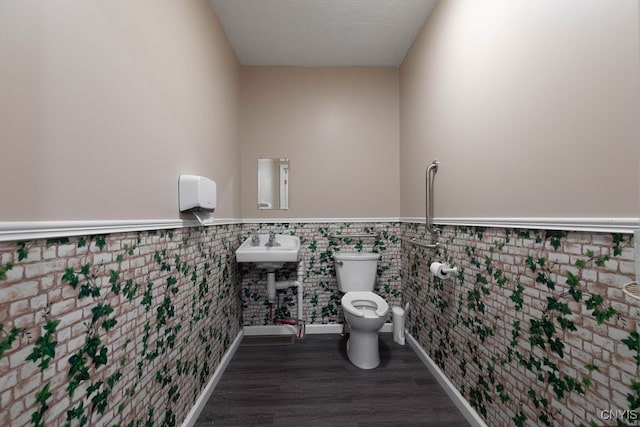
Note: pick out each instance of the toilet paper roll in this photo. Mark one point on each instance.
(441, 270)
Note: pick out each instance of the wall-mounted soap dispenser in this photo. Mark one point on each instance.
(196, 194)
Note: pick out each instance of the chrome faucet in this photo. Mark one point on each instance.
(272, 240)
(255, 240)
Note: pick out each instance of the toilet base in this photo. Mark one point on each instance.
(363, 350)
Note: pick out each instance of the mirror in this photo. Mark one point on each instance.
(273, 183)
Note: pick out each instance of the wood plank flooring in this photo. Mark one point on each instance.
(311, 382)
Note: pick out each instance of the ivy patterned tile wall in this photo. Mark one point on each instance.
(321, 296)
(124, 329)
(535, 328)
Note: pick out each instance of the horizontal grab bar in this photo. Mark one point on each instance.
(355, 236)
(420, 244)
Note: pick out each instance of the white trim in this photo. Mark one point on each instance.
(461, 403)
(197, 408)
(317, 220)
(254, 331)
(599, 225)
(313, 329)
(636, 253)
(31, 230)
(333, 328)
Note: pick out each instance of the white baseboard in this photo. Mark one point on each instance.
(194, 413)
(461, 403)
(252, 331)
(333, 328)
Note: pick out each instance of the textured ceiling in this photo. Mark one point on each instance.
(322, 32)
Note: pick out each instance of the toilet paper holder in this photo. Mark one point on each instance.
(442, 270)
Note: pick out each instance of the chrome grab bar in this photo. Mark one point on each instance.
(355, 236)
(422, 245)
(430, 176)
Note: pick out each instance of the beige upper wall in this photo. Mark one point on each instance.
(531, 107)
(339, 128)
(104, 104)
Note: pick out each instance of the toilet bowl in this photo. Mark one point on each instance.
(364, 311)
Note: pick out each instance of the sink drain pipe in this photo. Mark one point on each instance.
(273, 286)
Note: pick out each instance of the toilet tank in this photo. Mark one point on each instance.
(356, 271)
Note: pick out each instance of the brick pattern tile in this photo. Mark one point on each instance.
(176, 307)
(321, 295)
(479, 327)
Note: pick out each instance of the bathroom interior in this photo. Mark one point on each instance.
(119, 307)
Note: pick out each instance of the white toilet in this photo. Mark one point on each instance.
(364, 311)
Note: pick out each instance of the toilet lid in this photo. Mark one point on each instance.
(381, 309)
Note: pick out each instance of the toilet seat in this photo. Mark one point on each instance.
(370, 299)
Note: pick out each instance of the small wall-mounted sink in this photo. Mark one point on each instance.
(285, 248)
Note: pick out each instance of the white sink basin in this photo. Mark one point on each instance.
(285, 249)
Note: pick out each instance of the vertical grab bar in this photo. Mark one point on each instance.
(430, 176)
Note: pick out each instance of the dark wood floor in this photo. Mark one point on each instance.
(312, 382)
